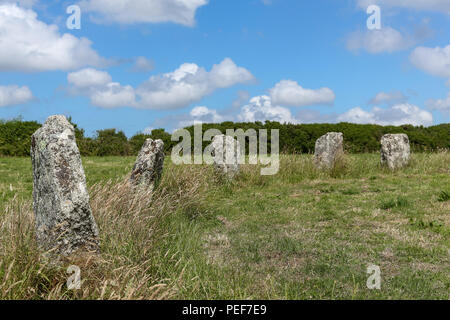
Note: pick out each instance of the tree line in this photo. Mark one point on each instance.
(294, 138)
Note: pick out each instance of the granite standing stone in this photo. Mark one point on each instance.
(395, 150)
(63, 217)
(328, 148)
(149, 164)
(226, 155)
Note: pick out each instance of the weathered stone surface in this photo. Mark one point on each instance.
(226, 154)
(149, 164)
(395, 150)
(64, 220)
(328, 148)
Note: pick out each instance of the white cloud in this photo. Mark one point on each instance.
(260, 108)
(435, 61)
(357, 115)
(227, 74)
(87, 78)
(442, 105)
(22, 3)
(187, 84)
(200, 114)
(27, 44)
(142, 64)
(386, 39)
(396, 115)
(290, 93)
(101, 90)
(428, 5)
(144, 11)
(13, 94)
(393, 97)
(114, 95)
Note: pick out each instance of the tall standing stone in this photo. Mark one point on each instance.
(149, 164)
(63, 216)
(226, 153)
(328, 148)
(395, 150)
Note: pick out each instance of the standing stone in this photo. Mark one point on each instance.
(226, 154)
(63, 217)
(395, 150)
(328, 148)
(149, 164)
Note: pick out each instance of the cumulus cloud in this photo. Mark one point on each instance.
(114, 95)
(290, 93)
(442, 105)
(393, 97)
(98, 86)
(396, 115)
(187, 84)
(227, 73)
(13, 95)
(428, 5)
(386, 39)
(88, 78)
(144, 11)
(200, 114)
(260, 108)
(27, 44)
(435, 61)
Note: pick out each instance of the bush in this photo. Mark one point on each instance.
(15, 137)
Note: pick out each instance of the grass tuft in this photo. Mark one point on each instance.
(443, 196)
(399, 202)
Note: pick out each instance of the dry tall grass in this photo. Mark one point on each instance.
(132, 226)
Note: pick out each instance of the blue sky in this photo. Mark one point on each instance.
(140, 64)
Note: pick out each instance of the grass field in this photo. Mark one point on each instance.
(301, 234)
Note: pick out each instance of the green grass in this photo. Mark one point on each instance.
(301, 234)
(399, 202)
